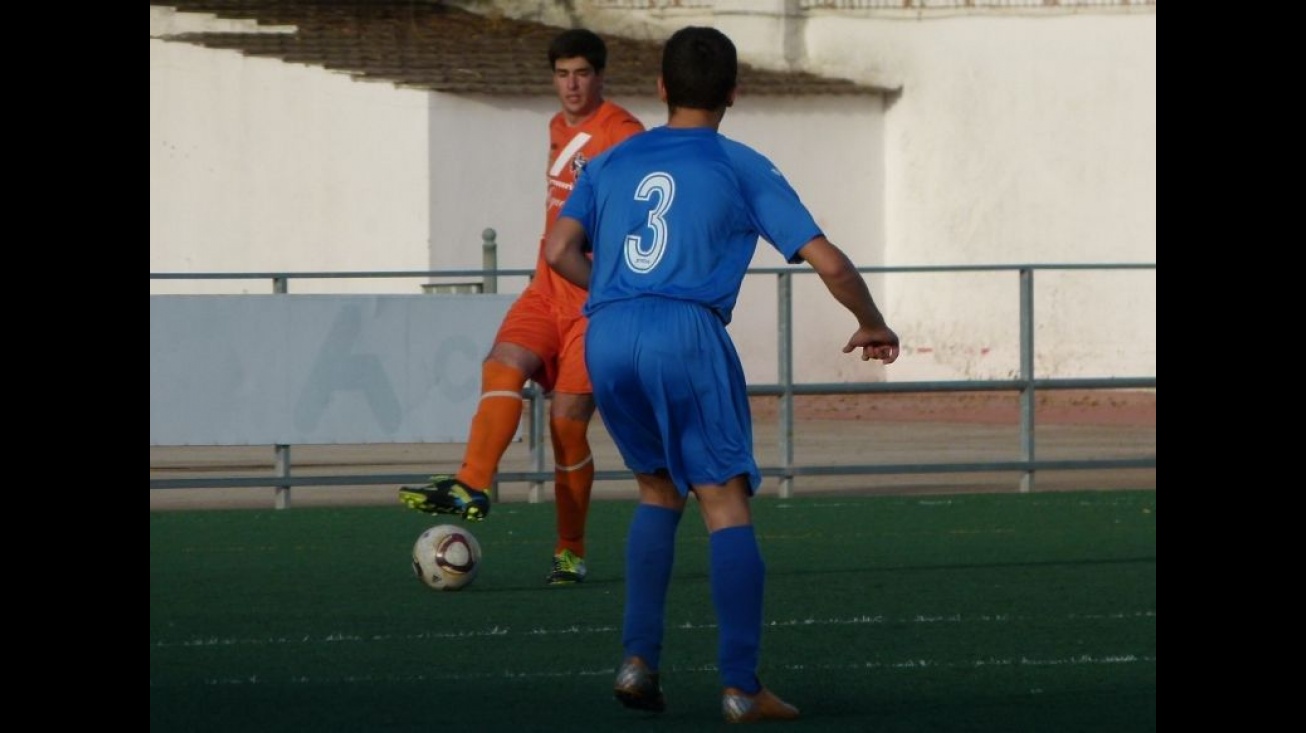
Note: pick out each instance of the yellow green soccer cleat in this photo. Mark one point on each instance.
(446, 495)
(568, 568)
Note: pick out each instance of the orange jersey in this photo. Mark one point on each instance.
(570, 148)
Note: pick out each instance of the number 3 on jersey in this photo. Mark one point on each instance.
(661, 189)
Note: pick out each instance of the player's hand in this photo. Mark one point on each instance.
(876, 343)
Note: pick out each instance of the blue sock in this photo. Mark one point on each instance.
(650, 553)
(738, 580)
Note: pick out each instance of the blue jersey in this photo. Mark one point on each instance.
(677, 212)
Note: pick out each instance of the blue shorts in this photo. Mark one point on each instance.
(670, 388)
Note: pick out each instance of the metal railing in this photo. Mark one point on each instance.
(784, 390)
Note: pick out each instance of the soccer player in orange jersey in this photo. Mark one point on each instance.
(542, 337)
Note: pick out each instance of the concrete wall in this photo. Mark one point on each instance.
(1015, 138)
(258, 165)
(1020, 134)
(261, 166)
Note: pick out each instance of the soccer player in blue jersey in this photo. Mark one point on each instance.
(673, 216)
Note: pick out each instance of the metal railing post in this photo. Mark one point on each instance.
(283, 471)
(490, 261)
(785, 337)
(1027, 397)
(280, 286)
(535, 495)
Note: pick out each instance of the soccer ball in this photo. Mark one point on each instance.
(446, 557)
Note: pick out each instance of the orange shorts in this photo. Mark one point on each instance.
(559, 340)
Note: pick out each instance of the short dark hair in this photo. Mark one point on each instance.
(570, 44)
(699, 68)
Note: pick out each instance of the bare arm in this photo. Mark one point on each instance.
(845, 283)
(564, 251)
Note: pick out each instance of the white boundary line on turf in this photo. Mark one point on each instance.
(499, 631)
(907, 664)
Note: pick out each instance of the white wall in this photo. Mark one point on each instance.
(1015, 139)
(1020, 135)
(440, 168)
(259, 165)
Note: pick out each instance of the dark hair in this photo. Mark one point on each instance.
(699, 68)
(579, 42)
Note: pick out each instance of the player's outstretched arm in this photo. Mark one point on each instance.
(845, 283)
(564, 250)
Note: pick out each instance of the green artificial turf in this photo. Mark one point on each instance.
(986, 612)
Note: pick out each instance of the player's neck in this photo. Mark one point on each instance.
(682, 117)
(573, 120)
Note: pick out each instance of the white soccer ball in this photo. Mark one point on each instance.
(446, 557)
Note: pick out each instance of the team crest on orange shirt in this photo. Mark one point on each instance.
(578, 162)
